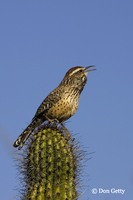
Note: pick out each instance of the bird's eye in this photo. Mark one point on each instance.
(80, 70)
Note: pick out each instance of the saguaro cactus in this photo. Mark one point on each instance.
(50, 165)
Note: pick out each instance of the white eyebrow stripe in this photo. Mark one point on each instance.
(76, 70)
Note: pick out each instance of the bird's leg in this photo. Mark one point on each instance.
(58, 123)
(50, 120)
(67, 133)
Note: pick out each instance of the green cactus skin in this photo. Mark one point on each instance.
(49, 166)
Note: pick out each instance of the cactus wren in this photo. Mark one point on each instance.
(60, 104)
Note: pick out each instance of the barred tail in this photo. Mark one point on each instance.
(26, 133)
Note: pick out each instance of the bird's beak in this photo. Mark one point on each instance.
(86, 71)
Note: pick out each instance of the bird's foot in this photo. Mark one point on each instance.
(53, 122)
(66, 133)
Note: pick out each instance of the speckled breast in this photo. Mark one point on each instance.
(64, 108)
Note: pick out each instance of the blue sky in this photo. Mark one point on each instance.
(39, 42)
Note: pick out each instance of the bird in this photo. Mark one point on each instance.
(60, 104)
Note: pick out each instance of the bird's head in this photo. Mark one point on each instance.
(76, 76)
